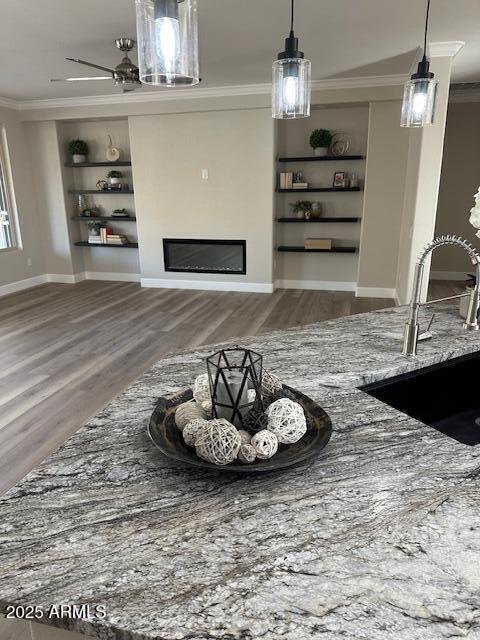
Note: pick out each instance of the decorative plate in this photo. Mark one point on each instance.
(165, 435)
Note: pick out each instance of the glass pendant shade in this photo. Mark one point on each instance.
(292, 87)
(418, 109)
(167, 37)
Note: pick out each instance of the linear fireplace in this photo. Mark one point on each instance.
(205, 256)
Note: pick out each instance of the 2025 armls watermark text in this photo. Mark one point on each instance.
(56, 611)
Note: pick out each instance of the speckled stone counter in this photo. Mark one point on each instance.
(377, 538)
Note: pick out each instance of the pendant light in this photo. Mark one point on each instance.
(418, 108)
(167, 35)
(291, 80)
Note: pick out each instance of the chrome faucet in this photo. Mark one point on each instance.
(412, 327)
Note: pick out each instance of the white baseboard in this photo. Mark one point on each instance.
(20, 285)
(207, 285)
(115, 277)
(376, 292)
(316, 285)
(461, 276)
(65, 278)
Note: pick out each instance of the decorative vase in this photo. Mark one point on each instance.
(300, 214)
(78, 158)
(316, 209)
(321, 151)
(114, 181)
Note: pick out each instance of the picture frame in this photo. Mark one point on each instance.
(339, 179)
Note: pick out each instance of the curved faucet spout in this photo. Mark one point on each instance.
(471, 321)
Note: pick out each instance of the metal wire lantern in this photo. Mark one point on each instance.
(232, 373)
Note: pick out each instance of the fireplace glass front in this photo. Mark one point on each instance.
(205, 256)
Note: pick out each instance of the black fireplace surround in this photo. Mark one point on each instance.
(205, 256)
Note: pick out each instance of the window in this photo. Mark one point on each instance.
(7, 224)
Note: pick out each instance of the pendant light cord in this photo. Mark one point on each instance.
(293, 15)
(426, 30)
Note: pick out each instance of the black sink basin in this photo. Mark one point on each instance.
(445, 396)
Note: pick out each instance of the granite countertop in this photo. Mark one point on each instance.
(376, 538)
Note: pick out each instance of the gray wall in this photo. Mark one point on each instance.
(459, 181)
(14, 263)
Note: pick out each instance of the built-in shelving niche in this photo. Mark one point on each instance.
(80, 179)
(342, 208)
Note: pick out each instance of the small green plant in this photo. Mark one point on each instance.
(320, 138)
(78, 147)
(94, 227)
(115, 174)
(302, 206)
(90, 212)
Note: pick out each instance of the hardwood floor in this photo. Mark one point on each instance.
(67, 350)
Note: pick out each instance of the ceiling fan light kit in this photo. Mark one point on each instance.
(126, 74)
(418, 107)
(291, 76)
(167, 34)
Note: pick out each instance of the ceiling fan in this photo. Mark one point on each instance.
(125, 74)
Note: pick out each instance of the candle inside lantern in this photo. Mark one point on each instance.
(234, 380)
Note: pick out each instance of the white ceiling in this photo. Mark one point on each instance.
(238, 39)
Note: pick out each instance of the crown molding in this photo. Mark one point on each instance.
(464, 96)
(166, 95)
(445, 49)
(358, 83)
(9, 103)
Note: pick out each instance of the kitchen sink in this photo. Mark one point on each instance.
(445, 396)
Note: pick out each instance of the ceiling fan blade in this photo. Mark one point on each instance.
(91, 64)
(80, 79)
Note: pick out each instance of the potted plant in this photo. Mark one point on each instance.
(302, 209)
(320, 140)
(114, 177)
(94, 228)
(78, 150)
(90, 212)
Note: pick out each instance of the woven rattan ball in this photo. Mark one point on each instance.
(201, 388)
(207, 408)
(286, 420)
(247, 454)
(186, 412)
(256, 421)
(192, 429)
(218, 442)
(265, 444)
(244, 436)
(270, 383)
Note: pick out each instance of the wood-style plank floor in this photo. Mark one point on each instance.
(67, 350)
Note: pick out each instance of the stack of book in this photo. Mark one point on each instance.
(299, 185)
(318, 243)
(286, 180)
(117, 238)
(108, 237)
(104, 233)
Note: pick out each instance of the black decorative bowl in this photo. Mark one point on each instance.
(165, 435)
